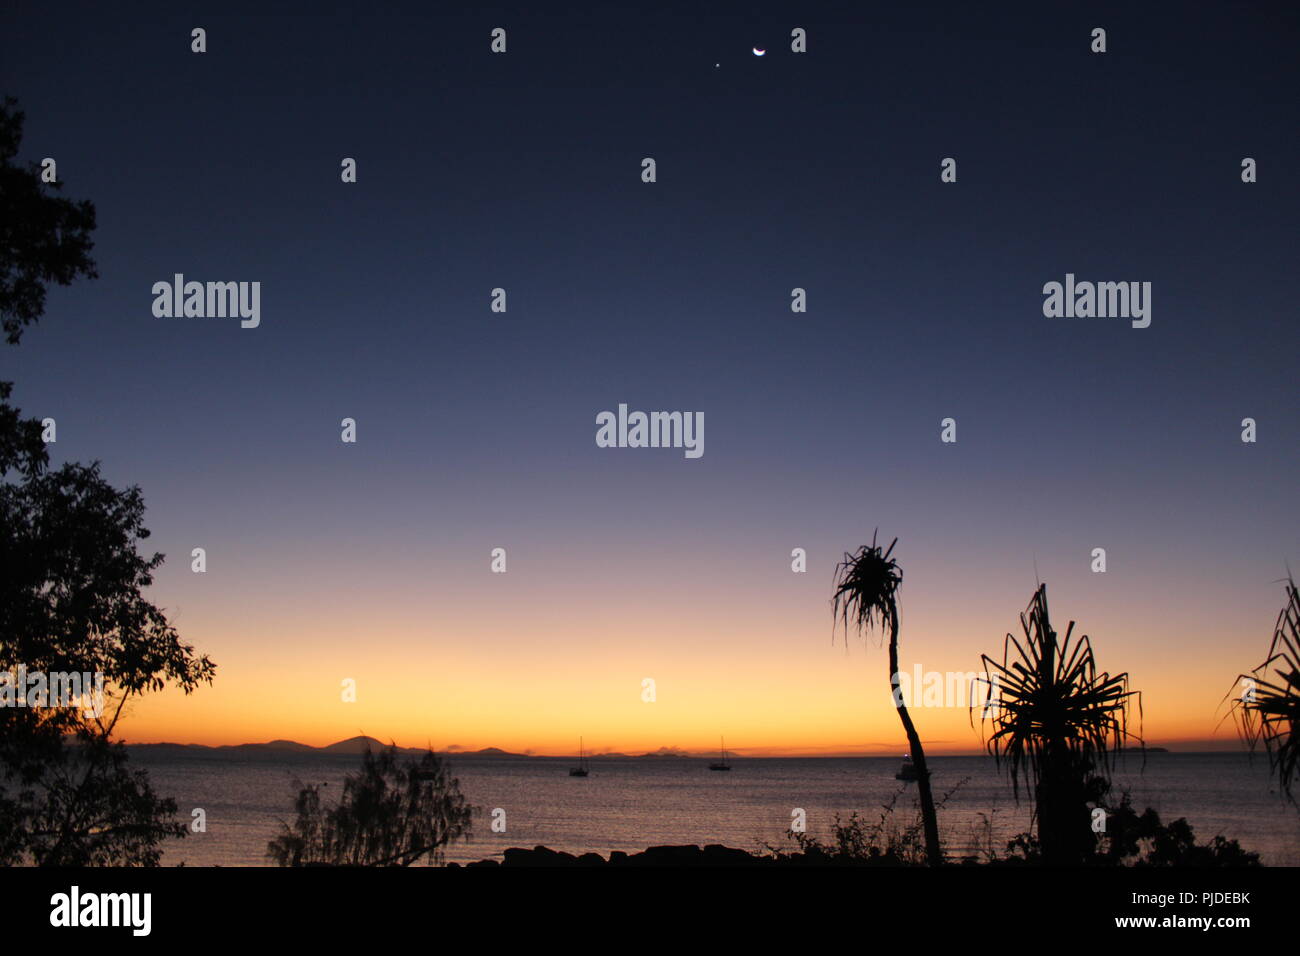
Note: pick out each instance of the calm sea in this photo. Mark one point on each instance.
(629, 804)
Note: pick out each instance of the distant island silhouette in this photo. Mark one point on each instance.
(353, 745)
(358, 745)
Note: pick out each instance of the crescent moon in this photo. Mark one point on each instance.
(758, 52)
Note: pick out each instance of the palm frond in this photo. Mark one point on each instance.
(1268, 711)
(866, 587)
(1048, 703)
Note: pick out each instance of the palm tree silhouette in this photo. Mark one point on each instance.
(866, 595)
(1058, 723)
(1269, 708)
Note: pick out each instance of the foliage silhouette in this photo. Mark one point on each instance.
(885, 842)
(392, 813)
(44, 238)
(1056, 723)
(1141, 840)
(1269, 714)
(866, 596)
(71, 587)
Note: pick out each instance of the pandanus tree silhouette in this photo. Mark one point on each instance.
(866, 596)
(1057, 723)
(1268, 709)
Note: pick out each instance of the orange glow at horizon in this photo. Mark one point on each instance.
(779, 688)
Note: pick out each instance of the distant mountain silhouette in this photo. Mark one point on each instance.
(356, 745)
(353, 745)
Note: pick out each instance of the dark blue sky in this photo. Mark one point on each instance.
(818, 170)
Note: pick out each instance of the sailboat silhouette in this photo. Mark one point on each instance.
(721, 763)
(581, 769)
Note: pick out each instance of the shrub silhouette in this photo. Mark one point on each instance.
(1141, 840)
(393, 813)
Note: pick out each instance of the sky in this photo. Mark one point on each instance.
(370, 561)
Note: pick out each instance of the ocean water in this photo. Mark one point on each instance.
(629, 804)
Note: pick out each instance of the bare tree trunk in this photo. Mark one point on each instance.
(930, 819)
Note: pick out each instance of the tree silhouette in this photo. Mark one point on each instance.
(44, 238)
(393, 813)
(1057, 723)
(71, 588)
(1268, 710)
(866, 594)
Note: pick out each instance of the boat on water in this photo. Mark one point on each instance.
(721, 763)
(908, 770)
(581, 770)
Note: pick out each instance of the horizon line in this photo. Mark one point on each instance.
(1173, 745)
